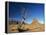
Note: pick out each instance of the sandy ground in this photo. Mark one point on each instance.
(34, 27)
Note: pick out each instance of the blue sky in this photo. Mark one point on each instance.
(34, 10)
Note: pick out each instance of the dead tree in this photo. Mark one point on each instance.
(23, 18)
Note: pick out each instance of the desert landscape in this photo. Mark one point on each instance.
(25, 17)
(35, 26)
